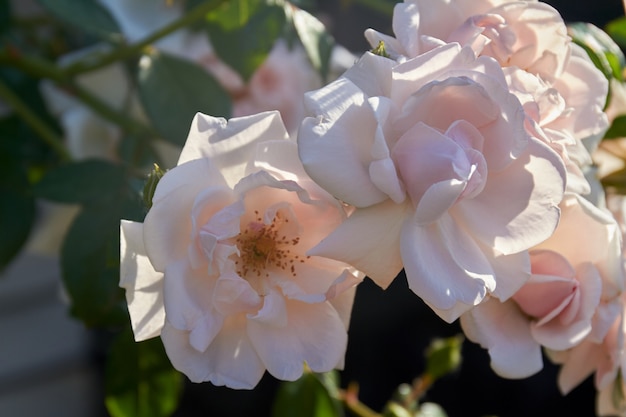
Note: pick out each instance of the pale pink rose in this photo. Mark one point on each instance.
(445, 180)
(220, 267)
(562, 91)
(527, 34)
(602, 354)
(571, 296)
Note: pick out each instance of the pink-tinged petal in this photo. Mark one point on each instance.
(581, 362)
(544, 294)
(443, 265)
(188, 295)
(143, 285)
(209, 224)
(314, 335)
(352, 241)
(440, 103)
(504, 331)
(518, 207)
(230, 360)
(233, 294)
(601, 245)
(198, 174)
(566, 332)
(425, 68)
(335, 148)
(412, 20)
(511, 271)
(585, 89)
(434, 170)
(382, 170)
(274, 310)
(231, 144)
(168, 224)
(341, 294)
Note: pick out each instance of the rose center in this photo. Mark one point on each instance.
(264, 247)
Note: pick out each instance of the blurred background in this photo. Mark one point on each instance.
(52, 365)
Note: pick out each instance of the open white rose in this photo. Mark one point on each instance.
(220, 268)
(445, 179)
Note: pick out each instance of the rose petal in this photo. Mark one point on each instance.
(231, 144)
(352, 241)
(335, 148)
(230, 360)
(314, 335)
(444, 266)
(143, 285)
(505, 332)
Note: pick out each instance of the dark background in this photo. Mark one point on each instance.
(391, 329)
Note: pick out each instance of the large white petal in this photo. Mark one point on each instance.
(231, 144)
(369, 240)
(518, 208)
(444, 266)
(143, 285)
(230, 360)
(314, 335)
(504, 330)
(335, 148)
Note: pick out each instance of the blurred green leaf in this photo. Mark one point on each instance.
(17, 208)
(90, 267)
(317, 41)
(617, 129)
(306, 397)
(603, 51)
(90, 252)
(5, 15)
(81, 182)
(243, 32)
(443, 356)
(173, 90)
(616, 29)
(139, 379)
(87, 15)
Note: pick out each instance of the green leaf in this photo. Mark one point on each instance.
(317, 42)
(5, 16)
(17, 208)
(306, 397)
(90, 267)
(616, 29)
(443, 356)
(243, 32)
(603, 51)
(86, 15)
(173, 90)
(81, 182)
(617, 129)
(139, 379)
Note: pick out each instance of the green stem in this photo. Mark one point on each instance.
(34, 121)
(129, 51)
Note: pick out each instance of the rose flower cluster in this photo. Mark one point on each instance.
(456, 150)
